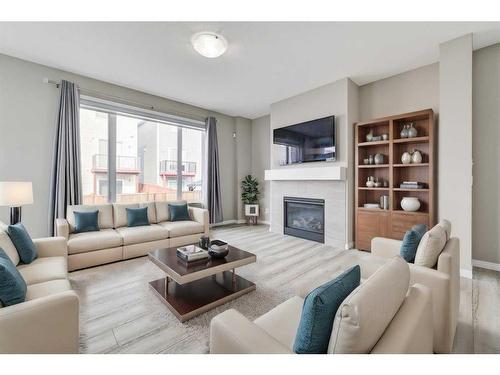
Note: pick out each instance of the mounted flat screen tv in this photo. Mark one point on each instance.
(306, 142)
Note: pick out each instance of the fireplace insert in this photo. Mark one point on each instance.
(304, 218)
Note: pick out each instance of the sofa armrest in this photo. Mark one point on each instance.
(439, 284)
(43, 325)
(200, 215)
(411, 330)
(232, 333)
(51, 247)
(62, 228)
(385, 247)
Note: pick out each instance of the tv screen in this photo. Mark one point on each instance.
(306, 142)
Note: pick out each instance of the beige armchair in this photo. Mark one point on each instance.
(47, 322)
(382, 315)
(443, 281)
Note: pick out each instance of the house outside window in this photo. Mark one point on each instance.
(146, 163)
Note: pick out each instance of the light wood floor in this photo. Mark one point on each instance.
(120, 314)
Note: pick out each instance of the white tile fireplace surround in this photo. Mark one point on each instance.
(325, 183)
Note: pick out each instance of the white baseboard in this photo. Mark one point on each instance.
(229, 222)
(466, 273)
(487, 265)
(226, 222)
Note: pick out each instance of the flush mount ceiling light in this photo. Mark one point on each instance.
(209, 44)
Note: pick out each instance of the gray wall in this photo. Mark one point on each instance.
(28, 112)
(261, 160)
(406, 92)
(327, 100)
(486, 154)
(243, 144)
(455, 142)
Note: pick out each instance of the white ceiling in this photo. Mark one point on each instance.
(265, 61)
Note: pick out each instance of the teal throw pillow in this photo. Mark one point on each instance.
(12, 285)
(410, 242)
(179, 212)
(23, 242)
(318, 312)
(86, 221)
(137, 217)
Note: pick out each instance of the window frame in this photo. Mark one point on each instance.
(114, 109)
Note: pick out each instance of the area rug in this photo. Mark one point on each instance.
(120, 314)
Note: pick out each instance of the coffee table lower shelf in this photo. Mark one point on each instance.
(192, 299)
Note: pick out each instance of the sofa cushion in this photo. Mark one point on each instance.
(410, 242)
(431, 245)
(137, 217)
(44, 269)
(12, 285)
(365, 314)
(446, 225)
(105, 214)
(282, 321)
(90, 241)
(86, 221)
(182, 228)
(120, 212)
(135, 235)
(7, 245)
(318, 313)
(23, 243)
(179, 212)
(151, 211)
(162, 213)
(47, 288)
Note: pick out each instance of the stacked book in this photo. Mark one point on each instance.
(412, 185)
(191, 253)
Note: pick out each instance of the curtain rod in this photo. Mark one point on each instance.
(125, 101)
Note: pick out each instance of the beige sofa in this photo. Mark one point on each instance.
(443, 281)
(115, 241)
(47, 322)
(382, 315)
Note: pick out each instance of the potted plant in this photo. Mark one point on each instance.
(250, 197)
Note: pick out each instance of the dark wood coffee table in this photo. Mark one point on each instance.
(190, 289)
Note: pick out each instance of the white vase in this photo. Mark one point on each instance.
(410, 204)
(406, 158)
(416, 157)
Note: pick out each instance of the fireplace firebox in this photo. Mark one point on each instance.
(304, 218)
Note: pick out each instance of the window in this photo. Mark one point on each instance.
(130, 158)
(94, 159)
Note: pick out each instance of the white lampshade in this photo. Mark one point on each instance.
(15, 194)
(209, 44)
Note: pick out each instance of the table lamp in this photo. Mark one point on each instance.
(15, 195)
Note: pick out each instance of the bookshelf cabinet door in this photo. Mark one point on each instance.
(401, 222)
(369, 225)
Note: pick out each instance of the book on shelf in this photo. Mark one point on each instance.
(191, 253)
(412, 185)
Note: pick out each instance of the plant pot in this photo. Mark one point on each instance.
(251, 210)
(410, 204)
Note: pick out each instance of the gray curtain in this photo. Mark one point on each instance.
(66, 183)
(214, 199)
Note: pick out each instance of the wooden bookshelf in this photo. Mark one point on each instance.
(393, 222)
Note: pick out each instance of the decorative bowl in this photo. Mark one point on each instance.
(218, 249)
(371, 205)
